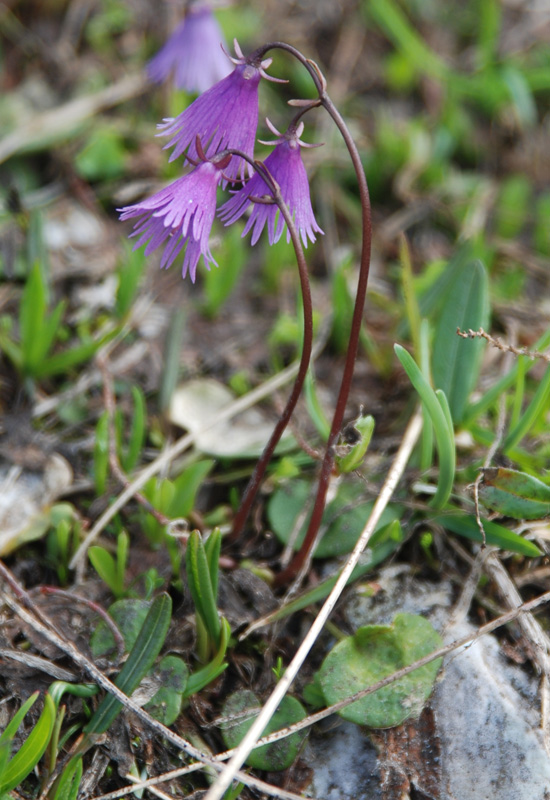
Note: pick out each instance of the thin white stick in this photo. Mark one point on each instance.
(225, 778)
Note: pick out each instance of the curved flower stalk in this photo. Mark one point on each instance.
(287, 168)
(276, 198)
(181, 215)
(324, 100)
(192, 57)
(224, 117)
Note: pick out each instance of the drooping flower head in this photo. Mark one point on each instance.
(193, 55)
(224, 117)
(181, 215)
(286, 166)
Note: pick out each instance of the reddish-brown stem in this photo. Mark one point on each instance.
(261, 466)
(328, 462)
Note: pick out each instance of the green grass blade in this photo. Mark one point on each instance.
(398, 29)
(519, 391)
(122, 547)
(32, 314)
(535, 408)
(59, 688)
(69, 783)
(129, 276)
(130, 457)
(488, 31)
(432, 299)
(186, 487)
(144, 652)
(200, 585)
(48, 332)
(440, 419)
(32, 749)
(61, 362)
(212, 548)
(104, 564)
(101, 453)
(444, 403)
(219, 284)
(521, 94)
(11, 728)
(497, 535)
(427, 439)
(12, 349)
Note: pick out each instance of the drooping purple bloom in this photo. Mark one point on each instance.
(225, 116)
(193, 55)
(286, 166)
(180, 215)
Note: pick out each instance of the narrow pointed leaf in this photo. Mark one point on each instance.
(144, 652)
(60, 362)
(48, 331)
(137, 431)
(12, 727)
(104, 564)
(69, 783)
(427, 440)
(212, 550)
(32, 749)
(537, 406)
(200, 585)
(32, 312)
(497, 535)
(187, 486)
(440, 416)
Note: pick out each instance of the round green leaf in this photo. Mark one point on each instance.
(242, 708)
(129, 615)
(166, 703)
(375, 652)
(343, 520)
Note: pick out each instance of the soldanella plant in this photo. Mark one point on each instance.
(215, 137)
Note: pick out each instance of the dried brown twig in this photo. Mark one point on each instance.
(503, 346)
